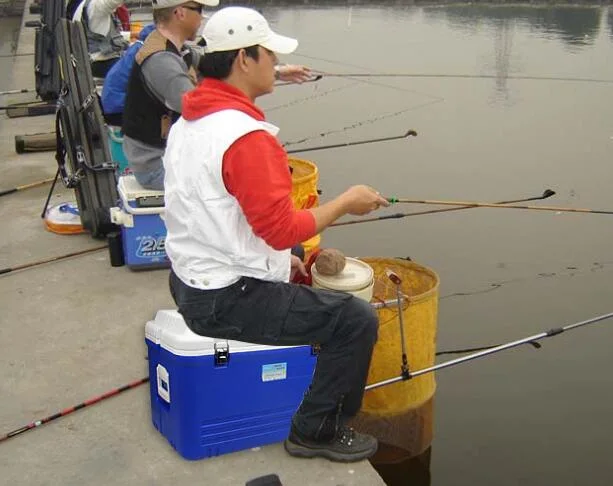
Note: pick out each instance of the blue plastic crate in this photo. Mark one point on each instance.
(212, 397)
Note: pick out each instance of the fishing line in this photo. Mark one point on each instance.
(319, 94)
(574, 271)
(433, 99)
(341, 63)
(466, 76)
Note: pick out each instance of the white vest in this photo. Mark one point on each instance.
(209, 242)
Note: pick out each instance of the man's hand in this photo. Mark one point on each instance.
(293, 73)
(297, 267)
(360, 200)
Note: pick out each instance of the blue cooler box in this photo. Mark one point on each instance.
(143, 233)
(211, 396)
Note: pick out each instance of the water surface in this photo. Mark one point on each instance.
(522, 417)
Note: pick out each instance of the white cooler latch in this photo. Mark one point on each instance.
(222, 353)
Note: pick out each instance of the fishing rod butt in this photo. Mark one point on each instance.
(548, 193)
(411, 133)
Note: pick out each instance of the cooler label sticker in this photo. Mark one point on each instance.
(151, 246)
(275, 371)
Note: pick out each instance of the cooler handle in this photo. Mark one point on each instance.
(163, 381)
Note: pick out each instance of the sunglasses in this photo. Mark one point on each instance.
(195, 8)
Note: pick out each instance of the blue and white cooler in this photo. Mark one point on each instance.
(141, 217)
(212, 397)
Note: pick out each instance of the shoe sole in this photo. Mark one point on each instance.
(297, 450)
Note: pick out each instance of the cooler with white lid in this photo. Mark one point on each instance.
(357, 278)
(140, 215)
(212, 396)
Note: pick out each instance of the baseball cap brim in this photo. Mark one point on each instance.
(208, 3)
(280, 44)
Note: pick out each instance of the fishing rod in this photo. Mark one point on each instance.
(394, 200)
(487, 352)
(26, 186)
(69, 410)
(360, 142)
(16, 91)
(4, 56)
(52, 259)
(546, 193)
(464, 76)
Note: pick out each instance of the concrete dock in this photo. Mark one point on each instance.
(74, 329)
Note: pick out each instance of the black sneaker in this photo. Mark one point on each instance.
(346, 446)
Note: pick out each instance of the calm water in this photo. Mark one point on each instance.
(525, 416)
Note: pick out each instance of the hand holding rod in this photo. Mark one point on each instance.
(547, 193)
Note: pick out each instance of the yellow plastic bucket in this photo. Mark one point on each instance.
(305, 176)
(420, 309)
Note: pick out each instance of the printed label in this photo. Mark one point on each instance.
(275, 371)
(151, 247)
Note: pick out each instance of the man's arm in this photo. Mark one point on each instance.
(166, 77)
(256, 173)
(99, 15)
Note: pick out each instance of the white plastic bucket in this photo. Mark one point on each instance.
(357, 278)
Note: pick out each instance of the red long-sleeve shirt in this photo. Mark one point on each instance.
(255, 169)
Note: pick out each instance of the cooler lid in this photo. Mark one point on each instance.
(355, 276)
(129, 189)
(169, 330)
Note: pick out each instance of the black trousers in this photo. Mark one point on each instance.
(277, 313)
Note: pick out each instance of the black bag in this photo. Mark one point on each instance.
(46, 69)
(83, 155)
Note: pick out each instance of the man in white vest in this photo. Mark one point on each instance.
(231, 224)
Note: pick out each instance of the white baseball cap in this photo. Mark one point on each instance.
(234, 28)
(157, 4)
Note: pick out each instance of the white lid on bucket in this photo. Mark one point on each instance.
(355, 276)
